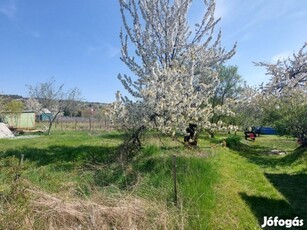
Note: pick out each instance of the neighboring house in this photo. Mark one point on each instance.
(45, 115)
(24, 120)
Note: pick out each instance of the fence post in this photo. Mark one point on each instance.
(21, 160)
(174, 179)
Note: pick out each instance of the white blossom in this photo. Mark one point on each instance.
(174, 68)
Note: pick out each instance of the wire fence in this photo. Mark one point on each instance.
(79, 123)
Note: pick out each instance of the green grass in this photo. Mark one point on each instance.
(218, 188)
(62, 158)
(253, 183)
(195, 182)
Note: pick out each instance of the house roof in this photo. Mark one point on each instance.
(45, 110)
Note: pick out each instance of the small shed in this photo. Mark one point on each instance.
(45, 115)
(24, 120)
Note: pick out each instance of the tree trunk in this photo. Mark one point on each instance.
(51, 122)
(303, 142)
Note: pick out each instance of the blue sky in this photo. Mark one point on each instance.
(77, 42)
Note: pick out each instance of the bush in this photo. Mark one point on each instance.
(233, 141)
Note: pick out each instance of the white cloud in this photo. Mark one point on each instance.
(221, 9)
(255, 76)
(299, 14)
(111, 50)
(36, 34)
(251, 14)
(9, 9)
(104, 48)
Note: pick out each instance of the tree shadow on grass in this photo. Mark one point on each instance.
(113, 135)
(294, 189)
(104, 162)
(261, 155)
(263, 206)
(58, 154)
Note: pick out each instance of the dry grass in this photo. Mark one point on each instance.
(49, 211)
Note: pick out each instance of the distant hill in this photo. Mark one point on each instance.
(82, 103)
(12, 96)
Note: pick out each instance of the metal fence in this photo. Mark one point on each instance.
(82, 123)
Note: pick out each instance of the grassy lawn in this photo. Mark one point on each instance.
(253, 183)
(218, 188)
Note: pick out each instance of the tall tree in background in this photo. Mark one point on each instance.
(230, 86)
(169, 61)
(285, 95)
(33, 105)
(13, 108)
(249, 107)
(229, 89)
(54, 98)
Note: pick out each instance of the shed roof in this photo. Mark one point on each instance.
(45, 110)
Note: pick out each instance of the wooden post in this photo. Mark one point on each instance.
(21, 160)
(90, 123)
(174, 179)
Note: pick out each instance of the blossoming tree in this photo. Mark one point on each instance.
(286, 93)
(174, 67)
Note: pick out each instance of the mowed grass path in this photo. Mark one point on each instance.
(218, 188)
(253, 184)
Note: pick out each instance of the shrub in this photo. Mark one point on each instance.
(233, 141)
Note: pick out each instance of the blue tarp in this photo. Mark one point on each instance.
(266, 130)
